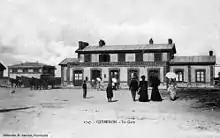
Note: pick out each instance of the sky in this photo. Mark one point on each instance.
(48, 31)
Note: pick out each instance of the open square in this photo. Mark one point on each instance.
(64, 113)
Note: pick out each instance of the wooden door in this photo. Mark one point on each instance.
(77, 77)
(95, 74)
(152, 72)
(114, 74)
(133, 73)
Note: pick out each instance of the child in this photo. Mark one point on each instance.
(84, 86)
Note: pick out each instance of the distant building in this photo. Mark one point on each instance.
(30, 69)
(2, 68)
(67, 74)
(125, 61)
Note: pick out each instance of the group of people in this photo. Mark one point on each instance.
(140, 88)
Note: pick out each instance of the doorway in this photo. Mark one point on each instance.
(133, 73)
(95, 73)
(152, 72)
(77, 77)
(114, 73)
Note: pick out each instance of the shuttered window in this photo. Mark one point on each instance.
(104, 58)
(121, 57)
(138, 57)
(157, 57)
(87, 58)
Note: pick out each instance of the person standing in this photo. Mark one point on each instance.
(172, 89)
(98, 80)
(109, 92)
(93, 83)
(133, 87)
(155, 82)
(102, 85)
(114, 83)
(84, 86)
(143, 90)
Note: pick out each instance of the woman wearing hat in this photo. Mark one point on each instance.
(143, 90)
(155, 94)
(172, 89)
(109, 92)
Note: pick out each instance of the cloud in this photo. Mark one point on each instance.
(49, 30)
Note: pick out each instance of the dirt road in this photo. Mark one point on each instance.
(63, 113)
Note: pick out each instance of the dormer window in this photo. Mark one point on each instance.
(104, 58)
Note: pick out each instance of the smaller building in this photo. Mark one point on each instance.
(30, 69)
(2, 68)
(66, 73)
(194, 70)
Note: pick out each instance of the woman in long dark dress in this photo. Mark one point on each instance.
(143, 90)
(109, 92)
(155, 95)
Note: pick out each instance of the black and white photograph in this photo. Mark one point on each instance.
(109, 68)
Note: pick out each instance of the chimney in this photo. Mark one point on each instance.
(210, 53)
(101, 43)
(170, 41)
(82, 44)
(151, 41)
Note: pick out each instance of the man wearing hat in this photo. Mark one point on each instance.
(133, 87)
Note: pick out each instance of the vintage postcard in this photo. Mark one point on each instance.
(109, 69)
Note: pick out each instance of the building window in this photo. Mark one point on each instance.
(36, 70)
(104, 58)
(25, 70)
(20, 70)
(200, 75)
(87, 58)
(180, 75)
(14, 70)
(30, 70)
(11, 70)
(138, 57)
(121, 57)
(157, 57)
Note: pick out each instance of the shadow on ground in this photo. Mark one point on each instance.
(90, 97)
(114, 101)
(14, 109)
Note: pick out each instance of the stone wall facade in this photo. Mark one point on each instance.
(105, 72)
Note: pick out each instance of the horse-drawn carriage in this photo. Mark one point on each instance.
(44, 82)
